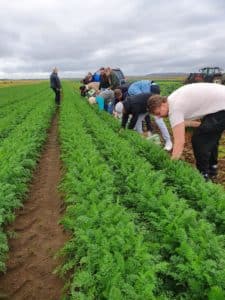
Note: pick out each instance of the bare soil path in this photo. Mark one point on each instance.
(31, 263)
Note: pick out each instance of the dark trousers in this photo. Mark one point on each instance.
(57, 96)
(205, 140)
(148, 123)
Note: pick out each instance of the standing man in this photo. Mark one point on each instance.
(185, 106)
(55, 84)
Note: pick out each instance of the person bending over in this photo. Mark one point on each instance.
(185, 106)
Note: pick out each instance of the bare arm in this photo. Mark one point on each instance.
(192, 123)
(179, 140)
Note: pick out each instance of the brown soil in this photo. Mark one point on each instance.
(38, 235)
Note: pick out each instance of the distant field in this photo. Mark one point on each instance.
(6, 83)
(157, 78)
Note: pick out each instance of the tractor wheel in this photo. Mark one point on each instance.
(217, 80)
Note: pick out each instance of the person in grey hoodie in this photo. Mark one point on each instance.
(55, 84)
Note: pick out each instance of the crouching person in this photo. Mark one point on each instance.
(136, 106)
(108, 96)
(97, 100)
(149, 86)
(119, 97)
(185, 106)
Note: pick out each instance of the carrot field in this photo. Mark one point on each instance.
(134, 224)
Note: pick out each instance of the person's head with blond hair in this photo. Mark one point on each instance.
(55, 70)
(158, 106)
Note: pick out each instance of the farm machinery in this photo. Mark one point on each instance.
(207, 74)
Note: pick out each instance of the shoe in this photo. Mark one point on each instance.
(213, 171)
(206, 176)
(168, 146)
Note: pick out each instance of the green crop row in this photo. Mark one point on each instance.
(18, 155)
(107, 256)
(17, 115)
(14, 94)
(8, 109)
(207, 198)
(191, 253)
(168, 87)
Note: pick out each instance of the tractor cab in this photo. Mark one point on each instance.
(207, 74)
(211, 74)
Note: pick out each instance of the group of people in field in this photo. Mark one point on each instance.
(126, 101)
(197, 105)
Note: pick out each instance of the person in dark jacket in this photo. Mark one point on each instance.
(55, 84)
(120, 97)
(136, 106)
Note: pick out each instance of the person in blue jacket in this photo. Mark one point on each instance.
(143, 86)
(97, 75)
(148, 86)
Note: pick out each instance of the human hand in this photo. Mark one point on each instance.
(196, 123)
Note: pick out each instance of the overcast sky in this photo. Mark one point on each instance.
(140, 36)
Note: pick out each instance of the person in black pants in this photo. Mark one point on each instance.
(55, 84)
(205, 142)
(120, 96)
(198, 105)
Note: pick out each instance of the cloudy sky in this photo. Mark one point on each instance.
(140, 36)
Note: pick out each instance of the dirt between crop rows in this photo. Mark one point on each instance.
(38, 235)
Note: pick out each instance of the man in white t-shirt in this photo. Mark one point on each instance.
(199, 105)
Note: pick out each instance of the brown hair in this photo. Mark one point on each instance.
(155, 101)
(118, 92)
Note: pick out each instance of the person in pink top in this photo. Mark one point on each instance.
(198, 105)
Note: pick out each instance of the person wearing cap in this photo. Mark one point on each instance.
(55, 84)
(185, 107)
(148, 86)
